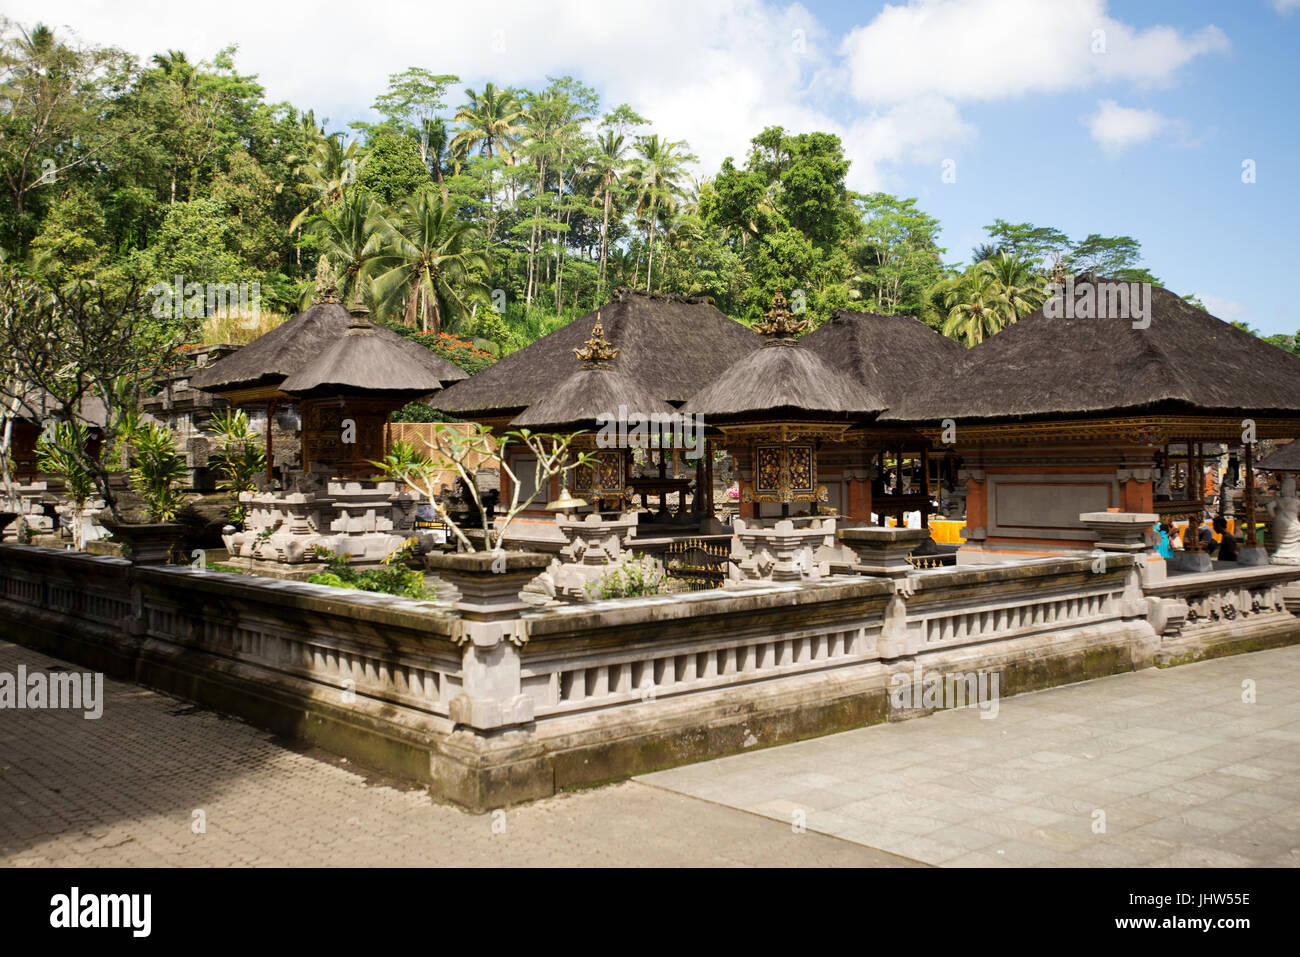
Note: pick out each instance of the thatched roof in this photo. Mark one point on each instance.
(780, 379)
(361, 360)
(1285, 459)
(895, 356)
(669, 344)
(1184, 361)
(585, 394)
(288, 348)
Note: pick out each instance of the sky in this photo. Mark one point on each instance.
(1171, 121)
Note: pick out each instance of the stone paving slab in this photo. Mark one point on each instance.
(121, 791)
(1185, 771)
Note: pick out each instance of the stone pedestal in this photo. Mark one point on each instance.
(882, 551)
(784, 549)
(1127, 533)
(490, 633)
(593, 543)
(149, 543)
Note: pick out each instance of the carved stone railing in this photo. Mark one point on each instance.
(1192, 605)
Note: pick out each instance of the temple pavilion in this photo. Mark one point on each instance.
(1054, 417)
(329, 378)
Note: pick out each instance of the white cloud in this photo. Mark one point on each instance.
(1286, 7)
(1116, 127)
(969, 50)
(1227, 309)
(712, 72)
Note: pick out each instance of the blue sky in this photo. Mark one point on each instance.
(1128, 118)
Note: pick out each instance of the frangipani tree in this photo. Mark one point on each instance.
(454, 451)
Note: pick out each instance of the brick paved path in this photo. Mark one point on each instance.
(121, 791)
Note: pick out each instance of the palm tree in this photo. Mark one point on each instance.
(656, 177)
(328, 171)
(429, 262)
(1015, 282)
(611, 148)
(977, 311)
(350, 236)
(491, 124)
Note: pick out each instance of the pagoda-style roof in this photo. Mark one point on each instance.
(311, 335)
(1185, 361)
(585, 394)
(1285, 459)
(362, 360)
(670, 345)
(783, 380)
(894, 356)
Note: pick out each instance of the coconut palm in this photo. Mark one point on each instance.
(429, 262)
(977, 310)
(656, 178)
(350, 236)
(492, 124)
(608, 163)
(1015, 282)
(328, 171)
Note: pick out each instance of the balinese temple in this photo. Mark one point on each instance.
(895, 357)
(320, 369)
(780, 409)
(1054, 417)
(668, 345)
(594, 389)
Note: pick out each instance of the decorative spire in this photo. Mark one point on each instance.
(597, 351)
(779, 322)
(358, 310)
(326, 290)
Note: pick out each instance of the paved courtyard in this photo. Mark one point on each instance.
(1178, 769)
(1184, 771)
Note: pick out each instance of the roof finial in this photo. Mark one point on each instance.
(597, 350)
(326, 290)
(779, 322)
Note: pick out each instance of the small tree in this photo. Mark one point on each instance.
(239, 460)
(457, 452)
(156, 468)
(78, 484)
(63, 347)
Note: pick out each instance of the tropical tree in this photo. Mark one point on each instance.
(1015, 283)
(656, 177)
(329, 169)
(977, 310)
(350, 236)
(429, 262)
(608, 163)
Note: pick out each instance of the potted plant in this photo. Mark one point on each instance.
(156, 468)
(239, 460)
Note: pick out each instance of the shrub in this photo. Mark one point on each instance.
(394, 578)
(635, 578)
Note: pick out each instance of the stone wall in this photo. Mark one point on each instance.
(490, 708)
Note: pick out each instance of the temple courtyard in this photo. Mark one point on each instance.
(1182, 768)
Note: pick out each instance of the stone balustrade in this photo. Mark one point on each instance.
(492, 701)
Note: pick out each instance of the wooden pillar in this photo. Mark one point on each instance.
(1248, 499)
(1196, 495)
(925, 486)
(270, 442)
(708, 476)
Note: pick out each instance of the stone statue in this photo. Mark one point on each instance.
(1285, 514)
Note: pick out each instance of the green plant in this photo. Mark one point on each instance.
(239, 460)
(156, 468)
(53, 455)
(635, 578)
(393, 578)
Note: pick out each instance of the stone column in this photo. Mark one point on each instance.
(882, 551)
(490, 633)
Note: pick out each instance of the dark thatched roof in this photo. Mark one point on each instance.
(779, 379)
(1285, 459)
(670, 345)
(587, 393)
(286, 349)
(896, 356)
(1184, 361)
(361, 360)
